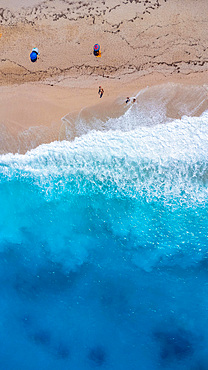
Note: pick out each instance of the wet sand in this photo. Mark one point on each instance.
(34, 113)
(143, 43)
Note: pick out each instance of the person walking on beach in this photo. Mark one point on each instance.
(127, 99)
(101, 93)
(34, 55)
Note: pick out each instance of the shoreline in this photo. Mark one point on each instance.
(32, 112)
(143, 43)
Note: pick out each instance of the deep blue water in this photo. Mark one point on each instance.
(104, 251)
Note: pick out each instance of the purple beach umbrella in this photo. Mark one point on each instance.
(96, 47)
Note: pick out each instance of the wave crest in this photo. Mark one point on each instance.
(163, 161)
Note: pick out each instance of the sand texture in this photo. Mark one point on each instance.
(136, 38)
(143, 43)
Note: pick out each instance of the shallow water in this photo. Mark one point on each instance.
(104, 245)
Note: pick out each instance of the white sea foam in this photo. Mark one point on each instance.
(155, 105)
(72, 266)
(160, 161)
(166, 163)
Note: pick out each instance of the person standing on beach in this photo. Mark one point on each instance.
(101, 93)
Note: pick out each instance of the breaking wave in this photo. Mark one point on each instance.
(104, 243)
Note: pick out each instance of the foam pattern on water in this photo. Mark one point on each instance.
(104, 249)
(164, 161)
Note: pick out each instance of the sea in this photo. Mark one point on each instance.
(104, 239)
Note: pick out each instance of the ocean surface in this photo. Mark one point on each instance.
(104, 240)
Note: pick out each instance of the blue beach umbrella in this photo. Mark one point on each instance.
(33, 56)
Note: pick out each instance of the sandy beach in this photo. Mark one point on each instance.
(143, 43)
(104, 201)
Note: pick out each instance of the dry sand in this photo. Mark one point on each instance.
(142, 42)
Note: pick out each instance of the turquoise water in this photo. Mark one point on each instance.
(104, 249)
